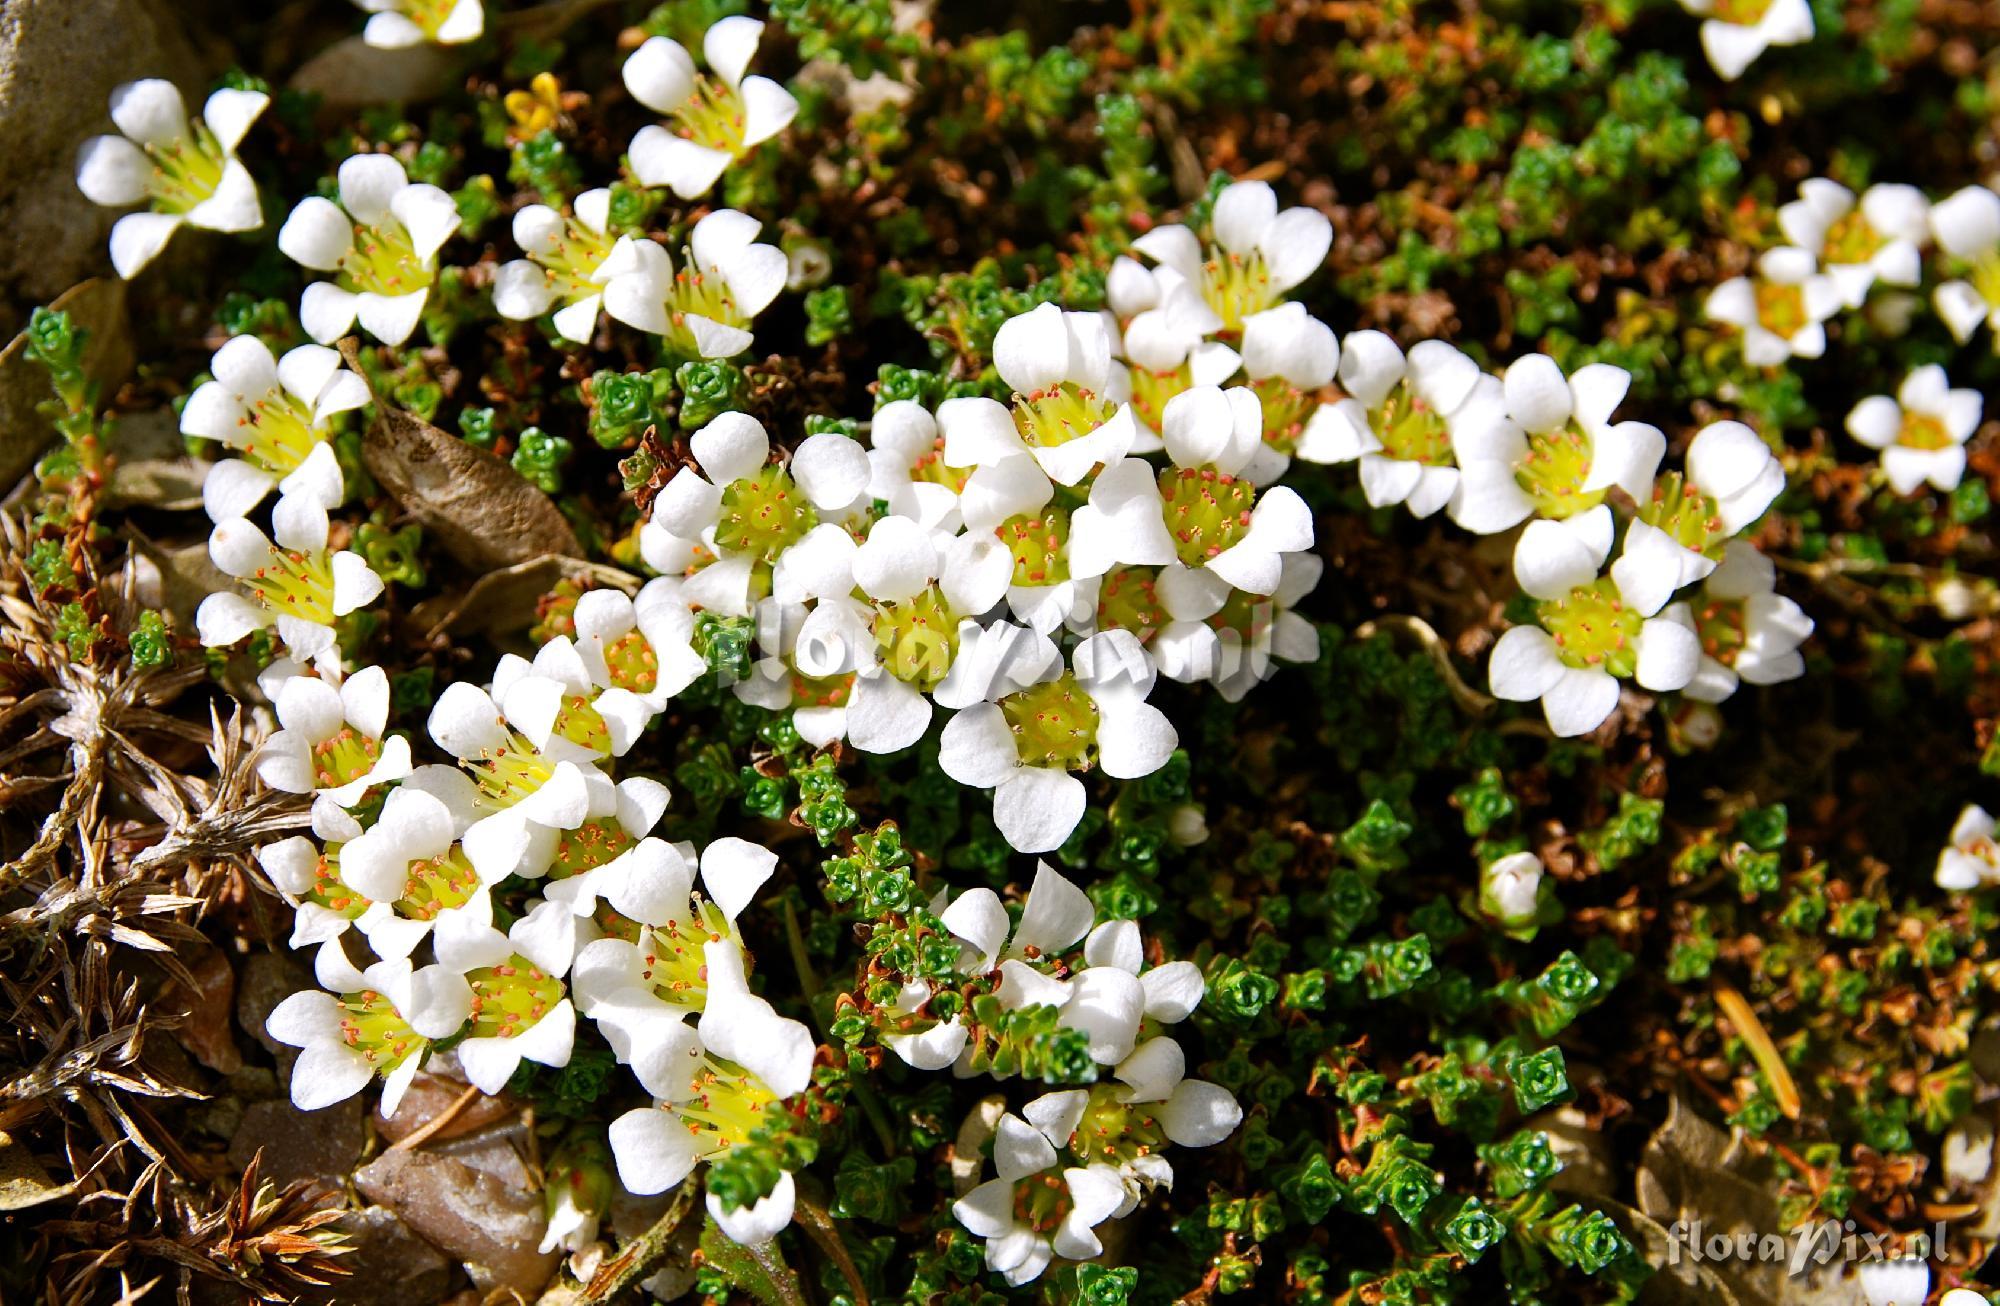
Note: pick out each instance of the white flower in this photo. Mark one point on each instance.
(418, 883)
(739, 1058)
(1966, 1156)
(1230, 637)
(1069, 407)
(750, 509)
(1035, 1210)
(1922, 431)
(330, 741)
(923, 1042)
(705, 311)
(924, 592)
(1737, 31)
(1746, 631)
(275, 413)
(641, 646)
(381, 1023)
(396, 24)
(1972, 859)
(1131, 1122)
(1905, 1281)
(1164, 338)
(1054, 915)
(1258, 253)
(1964, 1297)
(1215, 518)
(1289, 356)
(517, 786)
(307, 875)
(1781, 309)
(713, 121)
(1882, 240)
(569, 261)
(1542, 444)
(1024, 743)
(1509, 887)
(907, 469)
(184, 172)
(639, 988)
(295, 584)
(1397, 420)
(380, 242)
(1678, 536)
(1967, 227)
(1588, 639)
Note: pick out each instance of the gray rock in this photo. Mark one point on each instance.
(59, 60)
(267, 979)
(318, 1145)
(493, 1226)
(391, 1265)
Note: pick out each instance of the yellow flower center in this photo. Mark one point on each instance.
(1593, 628)
(1054, 724)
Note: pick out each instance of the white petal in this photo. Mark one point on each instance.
(1243, 212)
(1055, 916)
(1200, 1114)
(653, 1150)
(660, 74)
(1669, 655)
(150, 111)
(112, 171)
(1036, 808)
(137, 238)
(977, 748)
(831, 468)
(1538, 396)
(1579, 701)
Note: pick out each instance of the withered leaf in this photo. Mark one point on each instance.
(1695, 1172)
(23, 1181)
(482, 511)
(503, 601)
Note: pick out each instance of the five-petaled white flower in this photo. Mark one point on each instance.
(1069, 407)
(1397, 419)
(569, 261)
(737, 1059)
(713, 120)
(1967, 227)
(1745, 629)
(1736, 32)
(396, 24)
(705, 310)
(1258, 253)
(296, 584)
(1677, 538)
(1229, 637)
(275, 413)
(750, 511)
(1025, 734)
(1036, 1209)
(1780, 311)
(380, 242)
(1544, 445)
(361, 1023)
(1880, 240)
(184, 172)
(330, 741)
(1922, 431)
(1587, 640)
(1972, 859)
